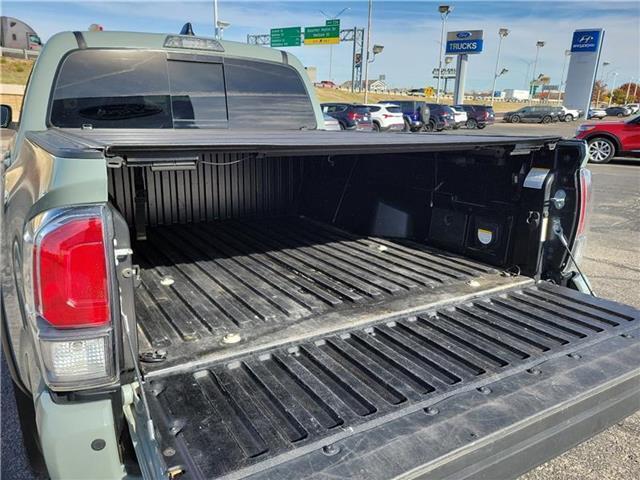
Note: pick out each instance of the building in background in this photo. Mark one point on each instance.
(15, 33)
(511, 94)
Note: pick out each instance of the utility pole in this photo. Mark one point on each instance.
(539, 45)
(366, 60)
(444, 10)
(502, 33)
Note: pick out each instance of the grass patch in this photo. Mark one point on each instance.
(15, 70)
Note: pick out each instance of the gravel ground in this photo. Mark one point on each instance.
(612, 263)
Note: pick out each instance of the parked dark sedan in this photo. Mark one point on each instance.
(618, 111)
(350, 116)
(534, 114)
(478, 116)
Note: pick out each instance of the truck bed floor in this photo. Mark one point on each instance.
(202, 282)
(309, 403)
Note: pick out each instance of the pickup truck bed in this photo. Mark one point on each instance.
(472, 385)
(254, 277)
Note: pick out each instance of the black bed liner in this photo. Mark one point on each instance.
(255, 277)
(145, 142)
(360, 403)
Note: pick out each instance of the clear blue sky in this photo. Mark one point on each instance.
(409, 30)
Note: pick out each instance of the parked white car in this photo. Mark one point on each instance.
(569, 114)
(386, 116)
(460, 117)
(330, 123)
(634, 107)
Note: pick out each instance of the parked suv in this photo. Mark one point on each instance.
(460, 117)
(568, 114)
(607, 139)
(535, 114)
(386, 117)
(479, 116)
(441, 117)
(350, 116)
(415, 114)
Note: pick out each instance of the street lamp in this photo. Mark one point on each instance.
(503, 32)
(602, 80)
(444, 10)
(613, 87)
(218, 25)
(567, 54)
(539, 45)
(335, 17)
(366, 63)
(626, 97)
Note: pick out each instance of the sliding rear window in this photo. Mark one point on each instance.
(148, 89)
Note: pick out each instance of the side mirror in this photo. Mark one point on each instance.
(5, 116)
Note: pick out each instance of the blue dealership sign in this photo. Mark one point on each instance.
(585, 41)
(466, 41)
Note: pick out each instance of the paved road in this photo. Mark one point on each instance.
(612, 262)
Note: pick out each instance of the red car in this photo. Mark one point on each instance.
(609, 139)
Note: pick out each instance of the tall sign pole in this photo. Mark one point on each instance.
(216, 31)
(503, 32)
(463, 44)
(586, 46)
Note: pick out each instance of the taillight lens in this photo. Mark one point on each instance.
(70, 281)
(67, 287)
(352, 115)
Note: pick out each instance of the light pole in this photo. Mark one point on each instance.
(444, 10)
(218, 25)
(567, 54)
(626, 97)
(603, 78)
(335, 17)
(539, 45)
(503, 32)
(366, 64)
(613, 87)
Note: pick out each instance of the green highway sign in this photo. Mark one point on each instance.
(325, 35)
(286, 37)
(333, 23)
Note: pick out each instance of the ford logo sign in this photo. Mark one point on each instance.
(463, 34)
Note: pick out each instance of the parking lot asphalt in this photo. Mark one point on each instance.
(612, 262)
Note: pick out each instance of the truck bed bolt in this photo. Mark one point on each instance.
(330, 450)
(484, 390)
(534, 371)
(432, 411)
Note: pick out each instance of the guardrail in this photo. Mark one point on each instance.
(18, 53)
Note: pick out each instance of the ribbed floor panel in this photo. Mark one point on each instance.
(204, 281)
(233, 416)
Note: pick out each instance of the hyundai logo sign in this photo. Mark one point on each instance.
(585, 41)
(464, 41)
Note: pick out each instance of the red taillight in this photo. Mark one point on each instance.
(585, 199)
(70, 275)
(352, 116)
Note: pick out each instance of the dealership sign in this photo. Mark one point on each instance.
(585, 41)
(586, 46)
(466, 41)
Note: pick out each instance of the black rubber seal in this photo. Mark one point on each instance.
(82, 44)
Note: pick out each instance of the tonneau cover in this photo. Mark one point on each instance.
(114, 142)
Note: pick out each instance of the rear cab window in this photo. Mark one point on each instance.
(156, 89)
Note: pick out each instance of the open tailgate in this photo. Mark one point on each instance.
(487, 388)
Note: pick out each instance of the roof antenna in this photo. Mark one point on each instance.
(187, 29)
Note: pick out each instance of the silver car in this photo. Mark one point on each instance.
(330, 123)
